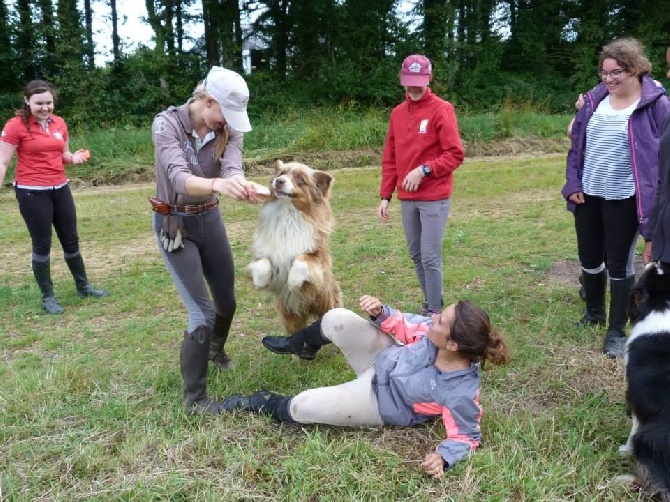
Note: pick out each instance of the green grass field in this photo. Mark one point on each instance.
(90, 400)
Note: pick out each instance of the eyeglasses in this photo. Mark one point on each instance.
(615, 74)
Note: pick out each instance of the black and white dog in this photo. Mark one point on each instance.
(648, 374)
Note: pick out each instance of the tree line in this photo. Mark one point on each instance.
(486, 53)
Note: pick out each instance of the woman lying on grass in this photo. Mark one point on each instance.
(435, 373)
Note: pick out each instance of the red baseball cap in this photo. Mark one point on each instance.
(415, 72)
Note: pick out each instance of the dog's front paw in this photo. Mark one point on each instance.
(298, 275)
(261, 272)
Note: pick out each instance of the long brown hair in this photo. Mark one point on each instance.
(34, 87)
(471, 330)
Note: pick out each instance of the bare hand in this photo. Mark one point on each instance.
(433, 465)
(370, 305)
(412, 180)
(646, 252)
(580, 102)
(577, 197)
(383, 210)
(234, 187)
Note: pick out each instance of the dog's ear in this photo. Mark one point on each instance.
(636, 303)
(280, 165)
(323, 181)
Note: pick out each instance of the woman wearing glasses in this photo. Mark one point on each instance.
(611, 179)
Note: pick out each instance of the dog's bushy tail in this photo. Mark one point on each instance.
(651, 448)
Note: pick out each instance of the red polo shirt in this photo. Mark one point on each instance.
(39, 151)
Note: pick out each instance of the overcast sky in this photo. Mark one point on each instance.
(133, 30)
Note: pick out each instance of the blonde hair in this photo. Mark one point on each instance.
(200, 93)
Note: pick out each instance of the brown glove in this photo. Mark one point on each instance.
(172, 233)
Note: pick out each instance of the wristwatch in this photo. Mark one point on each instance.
(425, 170)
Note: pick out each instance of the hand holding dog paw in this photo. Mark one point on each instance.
(233, 187)
(257, 193)
(172, 233)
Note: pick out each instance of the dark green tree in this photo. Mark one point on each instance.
(25, 41)
(8, 79)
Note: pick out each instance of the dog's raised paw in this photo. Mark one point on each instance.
(298, 275)
(261, 272)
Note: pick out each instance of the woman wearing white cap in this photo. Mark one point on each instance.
(423, 148)
(198, 155)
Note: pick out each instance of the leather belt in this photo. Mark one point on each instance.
(188, 209)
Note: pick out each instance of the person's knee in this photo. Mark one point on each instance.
(431, 262)
(227, 310)
(337, 320)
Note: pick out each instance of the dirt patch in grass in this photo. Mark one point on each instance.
(568, 271)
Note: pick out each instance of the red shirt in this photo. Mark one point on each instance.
(422, 132)
(39, 152)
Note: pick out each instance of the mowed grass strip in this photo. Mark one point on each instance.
(90, 401)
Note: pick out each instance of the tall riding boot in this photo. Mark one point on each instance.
(594, 289)
(263, 402)
(42, 273)
(217, 352)
(615, 340)
(304, 343)
(193, 363)
(76, 266)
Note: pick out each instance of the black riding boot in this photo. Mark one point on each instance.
(304, 343)
(193, 363)
(217, 351)
(263, 402)
(76, 266)
(594, 288)
(615, 340)
(42, 273)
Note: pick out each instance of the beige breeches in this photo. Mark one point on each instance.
(352, 403)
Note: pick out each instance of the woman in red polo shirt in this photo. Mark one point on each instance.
(40, 140)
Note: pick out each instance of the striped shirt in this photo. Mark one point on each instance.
(608, 171)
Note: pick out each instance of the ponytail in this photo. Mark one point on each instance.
(497, 350)
(471, 330)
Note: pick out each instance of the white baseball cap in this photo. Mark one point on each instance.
(231, 92)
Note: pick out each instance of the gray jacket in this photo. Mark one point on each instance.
(176, 159)
(411, 390)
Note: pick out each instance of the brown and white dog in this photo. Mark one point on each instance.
(647, 362)
(291, 245)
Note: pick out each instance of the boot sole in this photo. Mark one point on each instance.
(306, 356)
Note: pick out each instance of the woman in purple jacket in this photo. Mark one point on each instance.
(611, 179)
(433, 372)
